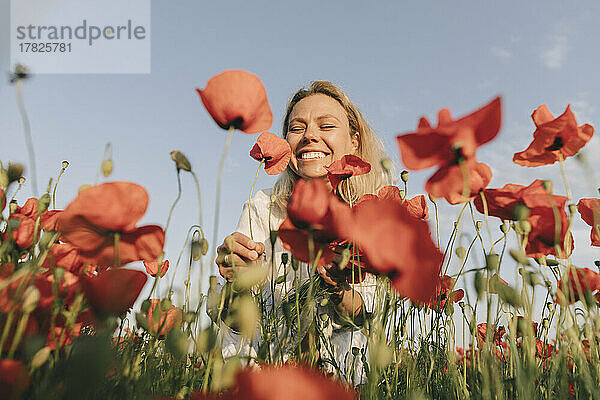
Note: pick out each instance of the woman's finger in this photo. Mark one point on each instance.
(247, 243)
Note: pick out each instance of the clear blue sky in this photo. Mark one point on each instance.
(396, 60)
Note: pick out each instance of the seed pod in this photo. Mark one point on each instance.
(181, 161)
(478, 225)
(525, 226)
(551, 262)
(65, 164)
(519, 256)
(504, 227)
(404, 176)
(107, 167)
(12, 207)
(572, 208)
(145, 306)
(402, 194)
(460, 252)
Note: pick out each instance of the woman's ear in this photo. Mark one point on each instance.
(355, 141)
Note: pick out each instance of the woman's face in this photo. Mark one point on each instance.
(319, 134)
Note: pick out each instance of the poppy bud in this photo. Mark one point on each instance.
(246, 278)
(107, 167)
(43, 203)
(460, 252)
(404, 176)
(181, 161)
(40, 358)
(65, 164)
(478, 225)
(521, 212)
(491, 262)
(519, 256)
(295, 264)
(344, 259)
(355, 351)
(509, 295)
(273, 237)
(525, 226)
(478, 283)
(547, 185)
(285, 258)
(381, 355)
(196, 250)
(177, 344)
(14, 172)
(165, 304)
(83, 187)
(3, 177)
(386, 164)
(449, 309)
(31, 297)
(246, 315)
(145, 306)
(141, 319)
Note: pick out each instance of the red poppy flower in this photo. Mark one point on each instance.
(349, 165)
(543, 350)
(440, 146)
(287, 382)
(274, 151)
(496, 337)
(417, 206)
(91, 220)
(237, 99)
(49, 219)
(66, 289)
(167, 320)
(396, 244)
(113, 291)
(314, 210)
(23, 235)
(65, 256)
(590, 213)
(541, 241)
(554, 138)
(575, 288)
(152, 268)
(2, 200)
(14, 378)
(447, 182)
(444, 294)
(522, 326)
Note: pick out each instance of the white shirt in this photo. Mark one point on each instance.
(341, 338)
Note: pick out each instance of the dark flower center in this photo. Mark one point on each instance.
(556, 145)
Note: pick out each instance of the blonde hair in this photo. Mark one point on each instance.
(369, 149)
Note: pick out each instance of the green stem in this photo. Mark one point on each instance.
(250, 199)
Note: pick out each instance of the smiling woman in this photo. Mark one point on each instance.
(321, 125)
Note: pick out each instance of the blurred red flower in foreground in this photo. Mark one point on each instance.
(572, 289)
(13, 378)
(153, 269)
(167, 319)
(113, 292)
(417, 206)
(274, 151)
(287, 382)
(314, 210)
(91, 221)
(2, 199)
(451, 146)
(544, 233)
(349, 165)
(396, 244)
(237, 99)
(444, 294)
(590, 213)
(554, 138)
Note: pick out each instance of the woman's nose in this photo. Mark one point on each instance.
(310, 135)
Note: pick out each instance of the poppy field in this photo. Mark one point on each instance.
(443, 322)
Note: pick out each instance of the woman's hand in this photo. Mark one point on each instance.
(347, 300)
(237, 250)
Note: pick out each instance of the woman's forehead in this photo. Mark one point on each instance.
(318, 106)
